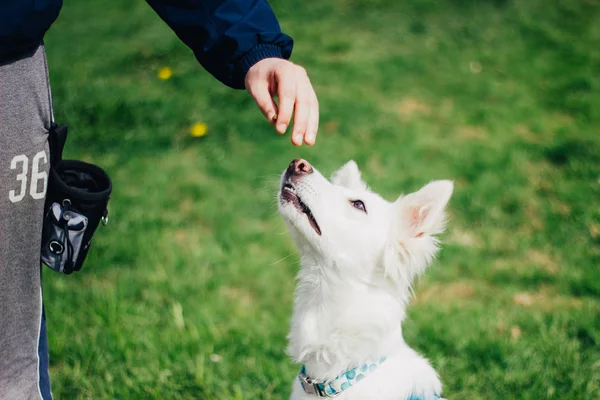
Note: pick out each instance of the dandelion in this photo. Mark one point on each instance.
(165, 73)
(199, 129)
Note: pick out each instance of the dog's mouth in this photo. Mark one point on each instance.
(288, 193)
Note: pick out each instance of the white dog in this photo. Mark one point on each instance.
(360, 254)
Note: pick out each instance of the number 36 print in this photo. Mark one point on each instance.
(38, 179)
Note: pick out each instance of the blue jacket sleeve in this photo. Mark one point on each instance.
(226, 36)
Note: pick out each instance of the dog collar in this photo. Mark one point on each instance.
(334, 387)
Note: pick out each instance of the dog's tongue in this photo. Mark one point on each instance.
(311, 218)
(313, 223)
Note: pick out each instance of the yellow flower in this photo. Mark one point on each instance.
(199, 129)
(165, 73)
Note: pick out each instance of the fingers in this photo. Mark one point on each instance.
(297, 94)
(263, 99)
(306, 118)
(296, 97)
(301, 115)
(313, 122)
(286, 91)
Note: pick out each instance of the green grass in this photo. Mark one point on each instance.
(187, 293)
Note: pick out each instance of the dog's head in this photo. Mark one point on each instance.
(342, 223)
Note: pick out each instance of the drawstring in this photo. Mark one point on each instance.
(69, 263)
(68, 245)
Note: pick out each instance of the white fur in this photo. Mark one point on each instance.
(355, 282)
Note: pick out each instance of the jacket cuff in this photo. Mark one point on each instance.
(258, 52)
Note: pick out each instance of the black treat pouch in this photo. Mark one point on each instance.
(76, 202)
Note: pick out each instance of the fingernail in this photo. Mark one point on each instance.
(272, 117)
(281, 128)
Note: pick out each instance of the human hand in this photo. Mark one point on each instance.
(276, 77)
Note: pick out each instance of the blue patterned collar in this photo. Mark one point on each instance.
(333, 387)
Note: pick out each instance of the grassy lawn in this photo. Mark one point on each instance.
(188, 291)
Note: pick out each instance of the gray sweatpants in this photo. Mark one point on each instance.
(25, 115)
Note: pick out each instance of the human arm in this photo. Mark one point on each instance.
(241, 44)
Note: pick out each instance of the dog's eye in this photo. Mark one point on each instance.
(359, 205)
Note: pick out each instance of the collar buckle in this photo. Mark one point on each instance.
(312, 386)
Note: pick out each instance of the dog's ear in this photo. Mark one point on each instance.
(348, 176)
(420, 216)
(423, 213)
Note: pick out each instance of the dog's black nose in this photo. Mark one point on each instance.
(299, 167)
